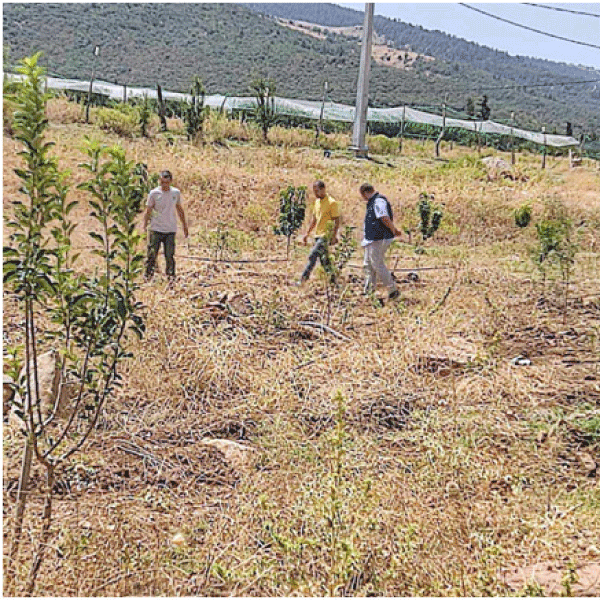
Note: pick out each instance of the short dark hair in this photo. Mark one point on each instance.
(366, 188)
(320, 184)
(166, 174)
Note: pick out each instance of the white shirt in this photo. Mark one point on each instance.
(164, 215)
(381, 210)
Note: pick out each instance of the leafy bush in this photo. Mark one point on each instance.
(195, 113)
(122, 121)
(523, 216)
(430, 215)
(219, 128)
(292, 208)
(380, 144)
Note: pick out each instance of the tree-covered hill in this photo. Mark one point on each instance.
(228, 44)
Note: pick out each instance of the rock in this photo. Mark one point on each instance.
(50, 387)
(455, 353)
(494, 162)
(520, 361)
(498, 167)
(238, 456)
(588, 463)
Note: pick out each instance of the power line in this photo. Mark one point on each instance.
(574, 12)
(558, 37)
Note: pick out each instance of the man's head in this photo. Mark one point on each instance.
(165, 178)
(319, 188)
(366, 190)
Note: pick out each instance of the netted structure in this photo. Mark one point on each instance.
(328, 111)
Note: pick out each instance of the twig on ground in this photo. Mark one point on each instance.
(325, 328)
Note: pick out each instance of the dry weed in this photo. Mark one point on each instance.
(411, 456)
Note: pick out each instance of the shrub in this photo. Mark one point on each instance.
(292, 208)
(430, 215)
(381, 144)
(523, 216)
(122, 121)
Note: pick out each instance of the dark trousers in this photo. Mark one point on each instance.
(319, 250)
(155, 239)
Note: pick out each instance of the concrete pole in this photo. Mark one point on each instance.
(362, 88)
(89, 98)
(512, 138)
(544, 148)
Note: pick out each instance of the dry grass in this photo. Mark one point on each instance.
(412, 458)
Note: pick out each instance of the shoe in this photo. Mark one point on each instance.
(393, 295)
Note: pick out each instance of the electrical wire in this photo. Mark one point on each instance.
(574, 12)
(558, 37)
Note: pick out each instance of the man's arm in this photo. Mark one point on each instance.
(390, 225)
(336, 225)
(313, 223)
(147, 216)
(181, 214)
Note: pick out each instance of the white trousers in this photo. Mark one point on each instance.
(374, 266)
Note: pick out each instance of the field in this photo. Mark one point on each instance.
(271, 440)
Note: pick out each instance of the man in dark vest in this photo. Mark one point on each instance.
(379, 231)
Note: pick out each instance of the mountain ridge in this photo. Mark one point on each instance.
(228, 44)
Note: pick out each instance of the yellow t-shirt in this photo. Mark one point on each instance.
(326, 209)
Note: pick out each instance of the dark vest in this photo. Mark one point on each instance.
(374, 228)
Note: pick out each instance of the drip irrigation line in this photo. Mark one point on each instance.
(223, 260)
(558, 37)
(406, 270)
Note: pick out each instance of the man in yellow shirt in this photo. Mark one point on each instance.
(326, 209)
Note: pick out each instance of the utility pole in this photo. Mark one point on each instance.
(544, 148)
(438, 141)
(320, 125)
(512, 138)
(362, 88)
(89, 98)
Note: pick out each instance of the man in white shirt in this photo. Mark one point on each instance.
(162, 209)
(379, 232)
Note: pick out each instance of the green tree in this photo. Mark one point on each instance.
(86, 318)
(264, 92)
(430, 215)
(484, 109)
(195, 113)
(470, 109)
(292, 209)
(144, 115)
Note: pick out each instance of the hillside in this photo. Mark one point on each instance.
(268, 440)
(466, 62)
(226, 44)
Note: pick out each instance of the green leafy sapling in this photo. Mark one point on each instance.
(86, 319)
(144, 112)
(430, 215)
(523, 216)
(263, 91)
(292, 210)
(195, 112)
(344, 249)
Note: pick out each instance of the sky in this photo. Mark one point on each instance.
(462, 22)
